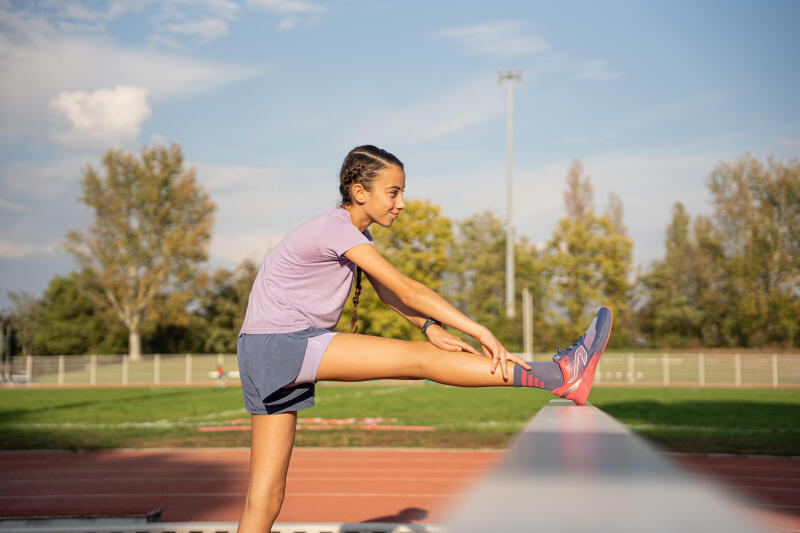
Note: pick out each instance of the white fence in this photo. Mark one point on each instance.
(615, 368)
(151, 369)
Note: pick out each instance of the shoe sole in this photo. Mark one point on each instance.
(581, 394)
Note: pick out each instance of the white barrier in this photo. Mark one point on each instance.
(574, 469)
(98, 526)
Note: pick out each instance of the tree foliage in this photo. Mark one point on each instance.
(152, 224)
(736, 282)
(757, 213)
(589, 261)
(70, 321)
(477, 272)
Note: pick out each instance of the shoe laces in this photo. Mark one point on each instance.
(562, 354)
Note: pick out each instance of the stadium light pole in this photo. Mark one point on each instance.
(508, 78)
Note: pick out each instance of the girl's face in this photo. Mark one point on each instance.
(385, 201)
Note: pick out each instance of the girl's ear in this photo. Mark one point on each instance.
(358, 193)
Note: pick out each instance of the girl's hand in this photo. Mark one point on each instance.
(500, 356)
(441, 338)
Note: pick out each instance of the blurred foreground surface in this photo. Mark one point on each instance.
(324, 485)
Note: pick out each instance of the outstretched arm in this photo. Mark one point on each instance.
(439, 336)
(417, 296)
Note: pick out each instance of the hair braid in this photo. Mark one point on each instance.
(362, 165)
(356, 296)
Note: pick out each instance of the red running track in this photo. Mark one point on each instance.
(324, 484)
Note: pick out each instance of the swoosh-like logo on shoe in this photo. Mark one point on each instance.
(580, 358)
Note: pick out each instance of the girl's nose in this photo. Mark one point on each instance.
(401, 203)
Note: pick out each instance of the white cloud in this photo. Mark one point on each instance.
(593, 70)
(12, 206)
(203, 20)
(293, 13)
(102, 116)
(38, 62)
(206, 29)
(504, 38)
(17, 250)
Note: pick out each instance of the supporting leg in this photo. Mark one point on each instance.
(271, 449)
(351, 357)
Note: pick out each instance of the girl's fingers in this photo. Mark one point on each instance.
(468, 348)
(519, 361)
(504, 365)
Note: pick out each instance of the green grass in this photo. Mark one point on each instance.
(682, 419)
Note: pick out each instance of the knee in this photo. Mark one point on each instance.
(266, 499)
(424, 354)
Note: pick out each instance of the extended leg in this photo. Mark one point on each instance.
(352, 357)
(272, 440)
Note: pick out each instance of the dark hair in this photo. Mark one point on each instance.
(362, 165)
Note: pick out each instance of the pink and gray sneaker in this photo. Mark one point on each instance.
(578, 362)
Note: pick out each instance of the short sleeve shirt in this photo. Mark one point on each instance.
(305, 279)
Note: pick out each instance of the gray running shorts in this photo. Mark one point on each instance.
(278, 370)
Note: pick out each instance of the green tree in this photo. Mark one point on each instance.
(757, 215)
(25, 320)
(152, 224)
(476, 279)
(589, 262)
(417, 245)
(673, 315)
(71, 323)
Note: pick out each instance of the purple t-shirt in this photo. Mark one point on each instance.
(305, 279)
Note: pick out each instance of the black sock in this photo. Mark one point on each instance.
(542, 375)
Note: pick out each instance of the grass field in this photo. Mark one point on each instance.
(748, 421)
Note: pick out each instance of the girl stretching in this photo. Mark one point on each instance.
(286, 345)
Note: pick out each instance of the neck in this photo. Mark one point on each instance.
(358, 217)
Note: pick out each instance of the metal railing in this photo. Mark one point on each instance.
(620, 369)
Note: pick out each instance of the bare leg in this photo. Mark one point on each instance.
(272, 440)
(351, 357)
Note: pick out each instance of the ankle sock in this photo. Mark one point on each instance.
(542, 375)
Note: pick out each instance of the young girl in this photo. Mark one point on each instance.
(286, 343)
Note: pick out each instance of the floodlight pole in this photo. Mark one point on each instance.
(509, 77)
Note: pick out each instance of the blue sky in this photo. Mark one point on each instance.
(267, 96)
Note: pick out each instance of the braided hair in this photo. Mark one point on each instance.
(362, 166)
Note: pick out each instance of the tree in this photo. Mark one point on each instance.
(25, 320)
(589, 261)
(152, 224)
(475, 280)
(578, 198)
(71, 323)
(757, 214)
(673, 314)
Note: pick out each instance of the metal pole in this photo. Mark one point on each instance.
(527, 321)
(775, 370)
(737, 369)
(508, 78)
(701, 370)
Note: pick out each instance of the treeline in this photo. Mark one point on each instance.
(729, 279)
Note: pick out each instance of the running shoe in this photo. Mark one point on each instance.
(579, 361)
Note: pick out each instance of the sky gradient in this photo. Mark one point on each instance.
(265, 97)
